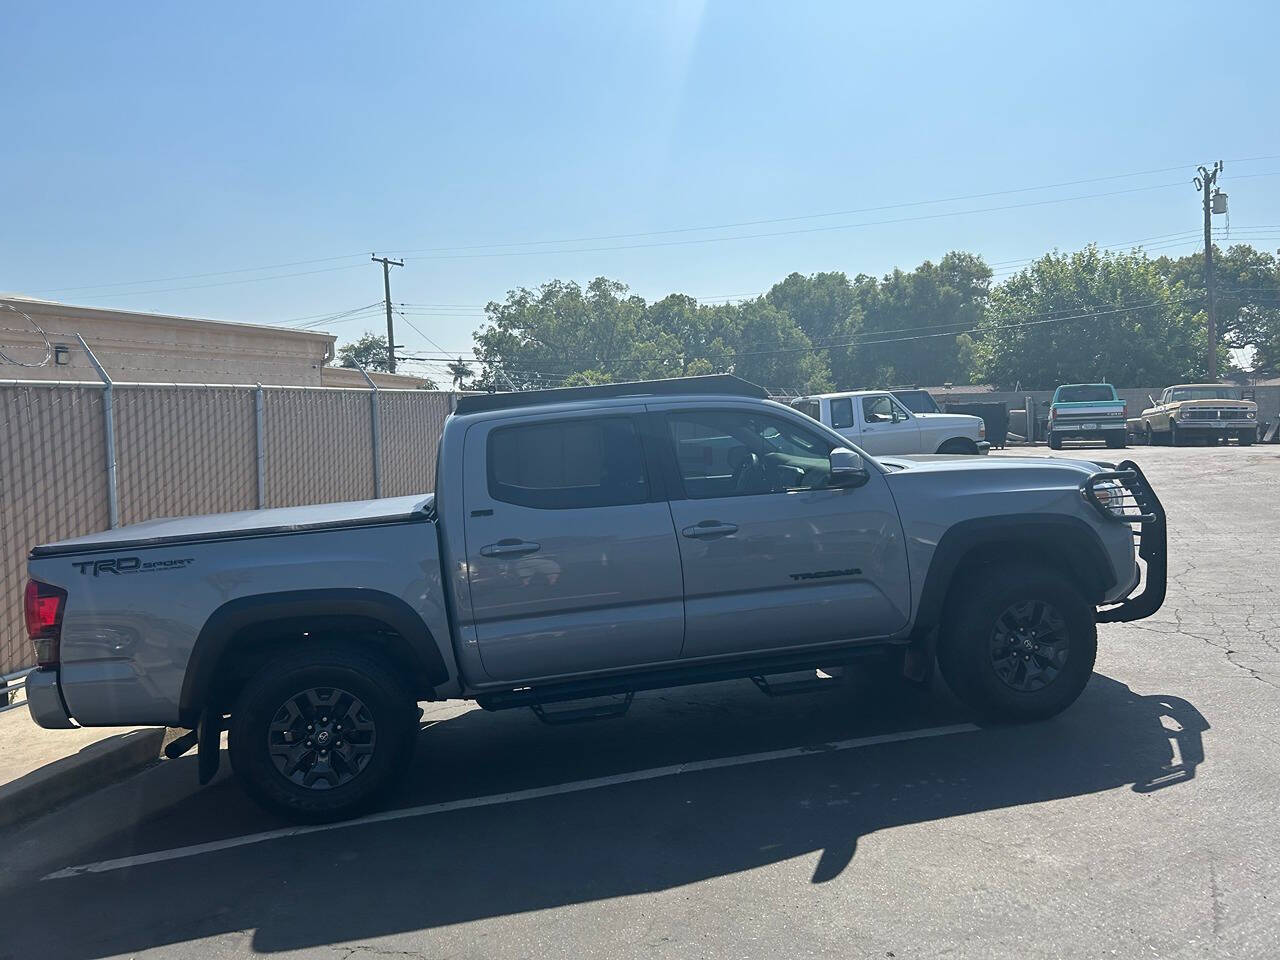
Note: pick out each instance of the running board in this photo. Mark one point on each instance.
(585, 714)
(816, 682)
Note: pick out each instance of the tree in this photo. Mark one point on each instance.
(1247, 298)
(370, 352)
(909, 321)
(460, 372)
(1089, 315)
(824, 306)
(560, 332)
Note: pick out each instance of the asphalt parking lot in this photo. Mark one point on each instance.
(714, 822)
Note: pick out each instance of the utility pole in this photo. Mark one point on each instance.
(387, 264)
(1217, 203)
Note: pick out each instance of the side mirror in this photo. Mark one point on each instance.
(1152, 401)
(847, 468)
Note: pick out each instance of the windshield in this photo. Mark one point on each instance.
(1086, 393)
(1205, 393)
(917, 401)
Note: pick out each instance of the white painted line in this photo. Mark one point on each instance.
(515, 796)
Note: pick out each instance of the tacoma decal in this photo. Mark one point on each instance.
(824, 574)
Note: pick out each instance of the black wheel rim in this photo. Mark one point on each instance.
(321, 738)
(1029, 645)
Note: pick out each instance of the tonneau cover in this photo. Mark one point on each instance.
(247, 523)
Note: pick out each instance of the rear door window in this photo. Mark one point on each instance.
(568, 464)
(842, 413)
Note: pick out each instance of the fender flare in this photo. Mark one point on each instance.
(235, 615)
(1074, 541)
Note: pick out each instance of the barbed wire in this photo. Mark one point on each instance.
(48, 347)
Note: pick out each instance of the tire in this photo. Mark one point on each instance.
(984, 671)
(1116, 443)
(958, 445)
(1175, 437)
(1055, 443)
(1147, 436)
(277, 703)
(1246, 439)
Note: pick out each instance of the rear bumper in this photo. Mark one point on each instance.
(1073, 430)
(984, 447)
(44, 701)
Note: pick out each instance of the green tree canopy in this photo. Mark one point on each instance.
(1247, 297)
(370, 352)
(910, 319)
(1090, 315)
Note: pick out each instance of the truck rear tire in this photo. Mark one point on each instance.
(1116, 443)
(1055, 443)
(323, 734)
(1018, 643)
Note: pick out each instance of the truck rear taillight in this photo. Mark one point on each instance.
(43, 606)
(1124, 411)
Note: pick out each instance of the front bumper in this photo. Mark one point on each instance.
(1215, 426)
(44, 701)
(1145, 515)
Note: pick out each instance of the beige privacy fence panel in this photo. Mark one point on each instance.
(191, 449)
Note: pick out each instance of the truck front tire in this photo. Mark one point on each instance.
(1018, 643)
(321, 734)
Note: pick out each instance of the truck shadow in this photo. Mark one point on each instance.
(422, 874)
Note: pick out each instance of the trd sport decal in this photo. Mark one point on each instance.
(122, 565)
(824, 574)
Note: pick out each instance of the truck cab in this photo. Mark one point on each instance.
(879, 423)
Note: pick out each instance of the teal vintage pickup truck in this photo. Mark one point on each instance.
(1087, 411)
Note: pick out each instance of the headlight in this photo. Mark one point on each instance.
(1110, 495)
(1252, 415)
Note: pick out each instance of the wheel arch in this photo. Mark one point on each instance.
(970, 445)
(259, 625)
(1075, 549)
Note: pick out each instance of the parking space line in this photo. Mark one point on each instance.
(515, 796)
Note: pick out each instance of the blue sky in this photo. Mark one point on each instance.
(152, 141)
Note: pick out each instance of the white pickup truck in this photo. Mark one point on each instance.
(586, 542)
(877, 422)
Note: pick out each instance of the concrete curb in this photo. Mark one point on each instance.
(93, 767)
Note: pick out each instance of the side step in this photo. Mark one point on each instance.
(584, 714)
(815, 681)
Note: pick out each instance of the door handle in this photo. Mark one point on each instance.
(709, 528)
(509, 548)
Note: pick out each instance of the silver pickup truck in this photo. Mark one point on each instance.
(587, 543)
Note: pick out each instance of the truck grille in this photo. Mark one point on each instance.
(1212, 413)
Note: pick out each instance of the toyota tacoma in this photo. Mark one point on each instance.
(587, 543)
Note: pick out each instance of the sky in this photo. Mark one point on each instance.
(242, 161)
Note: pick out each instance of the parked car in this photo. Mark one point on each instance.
(1198, 411)
(580, 543)
(917, 401)
(877, 422)
(1087, 411)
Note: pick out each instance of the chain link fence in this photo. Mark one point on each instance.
(183, 449)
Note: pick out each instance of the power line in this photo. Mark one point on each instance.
(804, 230)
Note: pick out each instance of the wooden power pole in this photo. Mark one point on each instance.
(387, 264)
(1208, 179)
